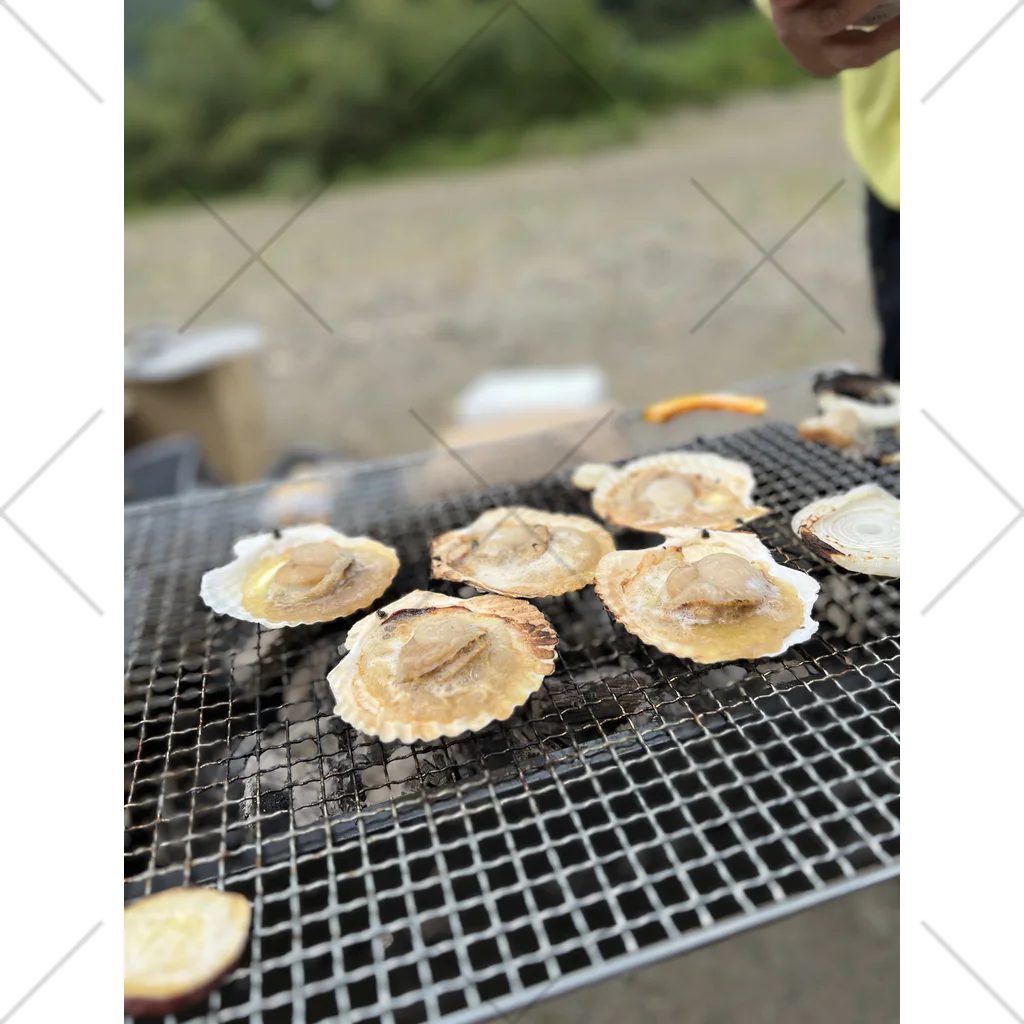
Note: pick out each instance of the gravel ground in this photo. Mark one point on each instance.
(610, 258)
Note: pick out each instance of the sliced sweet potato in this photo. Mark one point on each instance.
(179, 944)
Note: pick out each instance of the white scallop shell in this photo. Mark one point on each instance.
(221, 588)
(872, 417)
(565, 565)
(587, 476)
(731, 473)
(535, 654)
(753, 549)
(858, 530)
(300, 499)
(695, 544)
(414, 599)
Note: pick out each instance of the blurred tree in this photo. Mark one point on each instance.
(140, 18)
(260, 20)
(658, 19)
(236, 94)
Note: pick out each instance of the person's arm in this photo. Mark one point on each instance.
(817, 33)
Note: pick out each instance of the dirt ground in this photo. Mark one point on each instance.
(611, 258)
(839, 963)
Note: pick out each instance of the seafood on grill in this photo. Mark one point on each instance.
(858, 530)
(428, 665)
(838, 428)
(300, 575)
(179, 944)
(306, 496)
(873, 400)
(710, 596)
(522, 552)
(672, 490)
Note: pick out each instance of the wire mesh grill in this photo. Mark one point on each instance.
(638, 805)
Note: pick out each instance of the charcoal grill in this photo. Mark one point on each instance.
(637, 807)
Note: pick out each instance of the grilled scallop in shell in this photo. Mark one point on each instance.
(874, 401)
(672, 490)
(522, 552)
(710, 596)
(300, 575)
(858, 530)
(427, 665)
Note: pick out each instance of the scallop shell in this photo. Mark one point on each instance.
(303, 498)
(427, 665)
(871, 415)
(631, 584)
(522, 552)
(840, 428)
(858, 530)
(614, 501)
(223, 589)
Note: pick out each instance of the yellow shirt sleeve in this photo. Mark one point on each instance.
(871, 124)
(871, 121)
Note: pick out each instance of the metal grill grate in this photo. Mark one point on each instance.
(636, 807)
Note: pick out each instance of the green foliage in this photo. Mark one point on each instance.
(259, 20)
(657, 19)
(230, 99)
(722, 58)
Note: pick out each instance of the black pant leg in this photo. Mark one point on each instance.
(884, 253)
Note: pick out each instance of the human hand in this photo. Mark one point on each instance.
(817, 34)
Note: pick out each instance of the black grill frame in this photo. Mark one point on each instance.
(638, 806)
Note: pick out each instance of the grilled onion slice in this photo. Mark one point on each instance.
(858, 530)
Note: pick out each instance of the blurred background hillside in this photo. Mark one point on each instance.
(283, 94)
(489, 186)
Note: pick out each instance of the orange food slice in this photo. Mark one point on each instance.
(661, 412)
